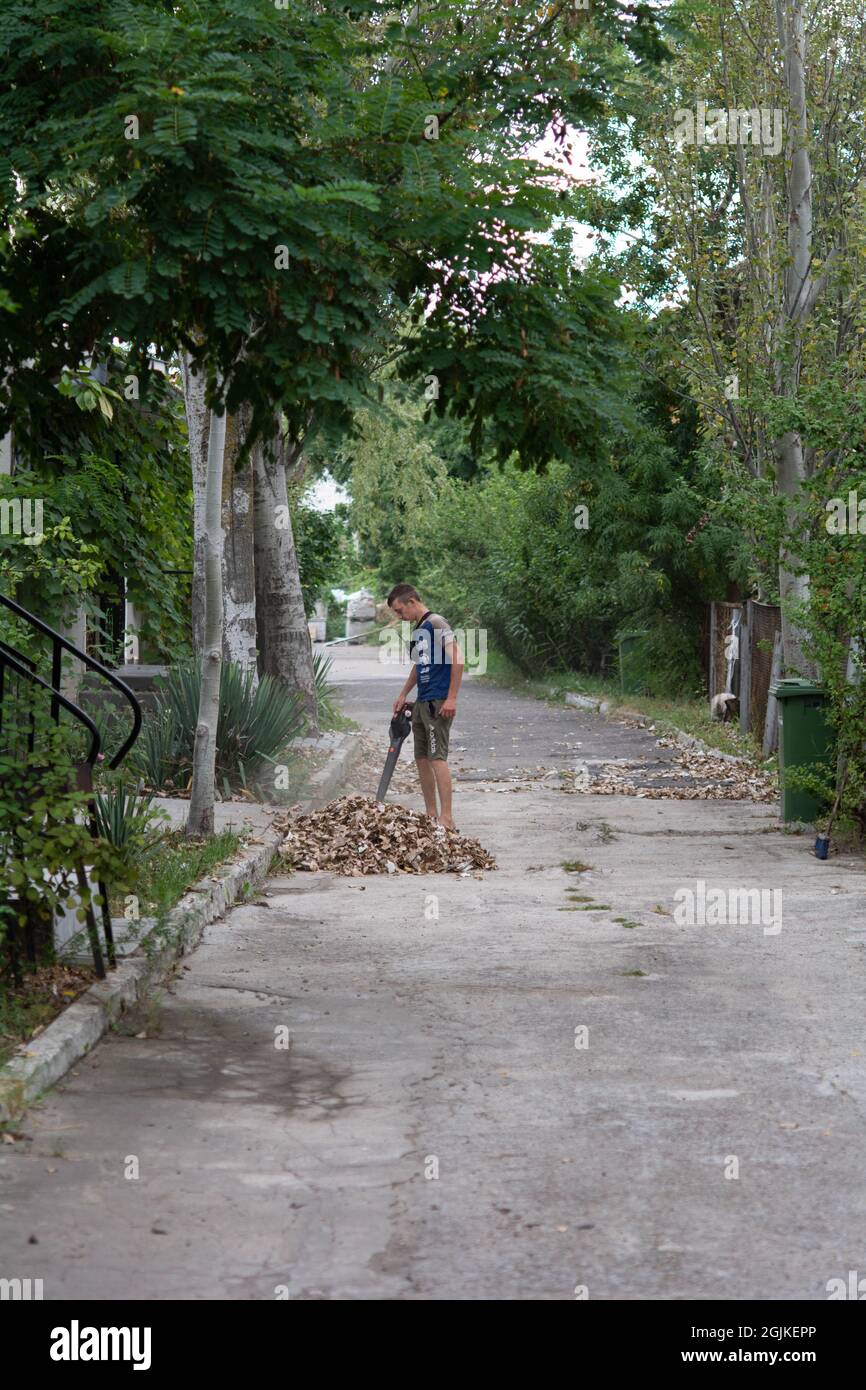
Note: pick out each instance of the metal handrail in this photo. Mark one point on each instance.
(60, 642)
(7, 659)
(19, 656)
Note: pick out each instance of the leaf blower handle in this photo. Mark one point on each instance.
(400, 727)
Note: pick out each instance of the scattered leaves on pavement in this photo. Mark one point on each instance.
(696, 776)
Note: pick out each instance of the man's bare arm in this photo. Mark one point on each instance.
(449, 708)
(407, 686)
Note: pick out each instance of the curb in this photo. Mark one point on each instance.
(587, 702)
(330, 778)
(695, 745)
(74, 1032)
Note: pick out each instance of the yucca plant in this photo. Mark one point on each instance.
(159, 755)
(324, 688)
(257, 719)
(127, 819)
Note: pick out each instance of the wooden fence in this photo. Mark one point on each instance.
(745, 659)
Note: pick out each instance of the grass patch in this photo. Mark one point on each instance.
(579, 897)
(43, 993)
(574, 866)
(338, 723)
(166, 873)
(625, 922)
(181, 862)
(641, 973)
(176, 866)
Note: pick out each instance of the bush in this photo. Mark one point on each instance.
(257, 719)
(44, 837)
(325, 698)
(127, 820)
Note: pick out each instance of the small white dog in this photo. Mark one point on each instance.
(725, 706)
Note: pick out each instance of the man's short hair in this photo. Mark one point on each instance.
(401, 591)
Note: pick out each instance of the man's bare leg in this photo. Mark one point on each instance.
(442, 774)
(428, 785)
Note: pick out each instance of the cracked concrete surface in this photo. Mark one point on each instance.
(431, 1126)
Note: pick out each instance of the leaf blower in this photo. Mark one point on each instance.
(400, 726)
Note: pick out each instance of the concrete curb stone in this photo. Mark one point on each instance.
(329, 778)
(74, 1032)
(604, 708)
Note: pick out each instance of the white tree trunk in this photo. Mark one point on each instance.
(285, 651)
(197, 423)
(239, 587)
(201, 806)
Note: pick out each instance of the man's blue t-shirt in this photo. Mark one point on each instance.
(427, 649)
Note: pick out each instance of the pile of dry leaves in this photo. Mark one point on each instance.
(357, 835)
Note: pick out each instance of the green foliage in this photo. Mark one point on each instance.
(329, 713)
(505, 551)
(321, 542)
(56, 565)
(127, 819)
(835, 615)
(534, 363)
(178, 863)
(257, 718)
(394, 474)
(278, 196)
(116, 496)
(44, 836)
(157, 756)
(711, 230)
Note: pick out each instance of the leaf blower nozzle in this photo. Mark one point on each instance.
(399, 732)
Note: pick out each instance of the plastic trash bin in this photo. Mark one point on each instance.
(805, 738)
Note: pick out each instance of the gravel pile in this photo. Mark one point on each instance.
(357, 835)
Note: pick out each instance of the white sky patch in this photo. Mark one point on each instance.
(324, 495)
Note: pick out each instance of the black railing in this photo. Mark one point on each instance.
(25, 668)
(61, 644)
(18, 662)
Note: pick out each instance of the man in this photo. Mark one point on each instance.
(438, 670)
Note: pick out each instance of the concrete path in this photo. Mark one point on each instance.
(487, 1091)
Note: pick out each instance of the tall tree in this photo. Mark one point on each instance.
(255, 186)
(735, 195)
(283, 635)
(201, 805)
(197, 424)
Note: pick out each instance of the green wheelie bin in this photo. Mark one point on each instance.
(805, 738)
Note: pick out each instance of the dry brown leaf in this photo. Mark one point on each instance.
(357, 835)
